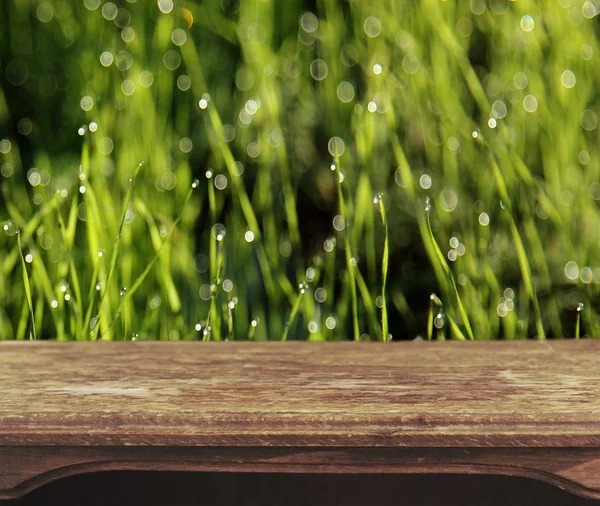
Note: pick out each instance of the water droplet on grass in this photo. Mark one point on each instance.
(339, 223)
(318, 70)
(345, 92)
(372, 26)
(309, 22)
(530, 103)
(87, 103)
(329, 244)
(425, 181)
(123, 291)
(439, 321)
(320, 294)
(178, 37)
(218, 231)
(205, 292)
(336, 146)
(10, 228)
(527, 23)
(568, 79)
(580, 307)
(572, 270)
(165, 6)
(303, 287)
(589, 119)
(220, 182)
(7, 169)
(502, 310)
(436, 300)
(586, 275)
(106, 59)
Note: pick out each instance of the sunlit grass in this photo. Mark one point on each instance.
(268, 130)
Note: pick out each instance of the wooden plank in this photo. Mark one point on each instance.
(523, 408)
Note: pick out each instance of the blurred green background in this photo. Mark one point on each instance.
(271, 135)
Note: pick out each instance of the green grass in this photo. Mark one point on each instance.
(268, 130)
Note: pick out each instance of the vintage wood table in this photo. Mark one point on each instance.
(525, 408)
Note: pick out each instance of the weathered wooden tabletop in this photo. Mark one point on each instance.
(527, 408)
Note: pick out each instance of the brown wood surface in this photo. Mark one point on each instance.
(522, 408)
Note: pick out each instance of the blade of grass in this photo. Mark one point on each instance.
(115, 252)
(448, 272)
(303, 288)
(27, 286)
(350, 260)
(384, 268)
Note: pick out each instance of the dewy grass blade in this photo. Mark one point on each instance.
(27, 287)
(578, 322)
(367, 299)
(213, 295)
(448, 272)
(28, 230)
(350, 260)
(115, 253)
(94, 289)
(68, 236)
(303, 288)
(384, 268)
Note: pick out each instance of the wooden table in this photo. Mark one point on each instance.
(525, 408)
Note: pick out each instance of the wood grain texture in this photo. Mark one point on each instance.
(521, 408)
